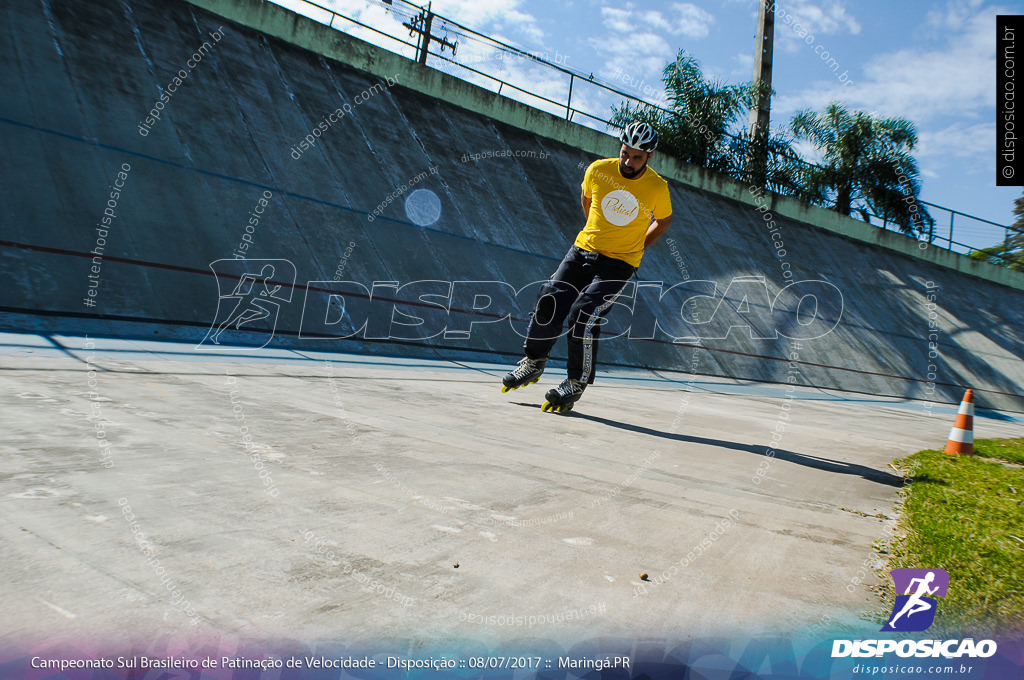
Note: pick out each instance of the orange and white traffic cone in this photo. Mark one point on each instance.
(961, 437)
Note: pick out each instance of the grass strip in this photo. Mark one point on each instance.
(965, 514)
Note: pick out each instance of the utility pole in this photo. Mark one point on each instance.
(421, 25)
(757, 156)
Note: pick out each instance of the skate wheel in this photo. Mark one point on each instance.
(505, 389)
(548, 407)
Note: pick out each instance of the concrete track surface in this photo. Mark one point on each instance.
(410, 499)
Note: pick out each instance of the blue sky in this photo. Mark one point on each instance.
(933, 63)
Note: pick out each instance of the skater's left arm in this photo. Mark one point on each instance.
(657, 228)
(661, 204)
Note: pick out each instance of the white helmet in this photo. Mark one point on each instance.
(639, 136)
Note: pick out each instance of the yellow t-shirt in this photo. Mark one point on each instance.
(621, 210)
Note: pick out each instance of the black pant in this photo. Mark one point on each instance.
(583, 288)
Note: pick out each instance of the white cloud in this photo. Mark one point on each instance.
(635, 65)
(807, 151)
(953, 15)
(690, 20)
(797, 20)
(946, 89)
(643, 57)
(958, 140)
(744, 67)
(526, 24)
(956, 79)
(474, 13)
(490, 16)
(685, 19)
(377, 15)
(617, 19)
(649, 17)
(487, 17)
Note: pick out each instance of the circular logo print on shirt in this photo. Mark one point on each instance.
(620, 207)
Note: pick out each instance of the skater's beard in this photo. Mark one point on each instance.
(630, 174)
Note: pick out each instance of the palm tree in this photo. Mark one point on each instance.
(866, 166)
(783, 170)
(696, 127)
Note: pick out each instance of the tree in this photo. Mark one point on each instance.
(696, 127)
(1010, 253)
(783, 171)
(866, 166)
(1015, 239)
(1001, 255)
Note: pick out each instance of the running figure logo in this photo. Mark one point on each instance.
(257, 290)
(914, 610)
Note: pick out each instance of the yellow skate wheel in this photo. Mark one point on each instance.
(547, 406)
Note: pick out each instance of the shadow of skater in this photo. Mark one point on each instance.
(806, 460)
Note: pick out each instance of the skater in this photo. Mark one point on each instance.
(628, 208)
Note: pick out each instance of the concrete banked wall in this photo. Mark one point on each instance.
(78, 79)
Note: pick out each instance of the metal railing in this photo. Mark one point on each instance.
(493, 82)
(944, 225)
(599, 95)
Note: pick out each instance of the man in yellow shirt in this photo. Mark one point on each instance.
(628, 208)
